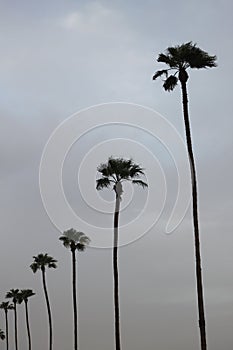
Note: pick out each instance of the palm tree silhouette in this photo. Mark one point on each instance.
(41, 261)
(25, 294)
(113, 174)
(2, 334)
(5, 306)
(74, 240)
(14, 294)
(179, 59)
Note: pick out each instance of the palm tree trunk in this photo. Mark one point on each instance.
(7, 335)
(28, 327)
(16, 335)
(200, 296)
(115, 275)
(48, 308)
(74, 300)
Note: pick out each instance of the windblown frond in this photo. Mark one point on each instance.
(140, 183)
(159, 73)
(104, 182)
(170, 83)
(168, 59)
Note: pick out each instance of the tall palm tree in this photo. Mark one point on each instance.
(25, 294)
(5, 306)
(113, 174)
(179, 59)
(14, 294)
(41, 261)
(2, 334)
(74, 240)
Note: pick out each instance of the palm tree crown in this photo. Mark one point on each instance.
(179, 58)
(26, 293)
(15, 295)
(5, 305)
(41, 261)
(117, 170)
(74, 240)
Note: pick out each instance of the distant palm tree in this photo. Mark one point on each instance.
(41, 261)
(25, 294)
(5, 306)
(14, 294)
(2, 334)
(179, 59)
(113, 174)
(74, 240)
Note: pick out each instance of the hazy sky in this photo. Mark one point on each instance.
(58, 57)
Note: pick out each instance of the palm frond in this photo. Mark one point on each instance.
(135, 171)
(140, 183)
(26, 293)
(34, 266)
(65, 240)
(170, 83)
(168, 59)
(80, 247)
(2, 334)
(103, 182)
(159, 73)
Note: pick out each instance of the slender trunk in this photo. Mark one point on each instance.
(74, 300)
(200, 296)
(16, 334)
(48, 308)
(7, 335)
(115, 275)
(28, 327)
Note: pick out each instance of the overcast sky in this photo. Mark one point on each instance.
(59, 57)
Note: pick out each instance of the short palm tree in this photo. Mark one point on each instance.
(5, 306)
(179, 59)
(14, 294)
(74, 240)
(25, 294)
(113, 174)
(2, 334)
(41, 261)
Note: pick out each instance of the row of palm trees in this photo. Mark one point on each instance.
(76, 241)
(17, 296)
(113, 174)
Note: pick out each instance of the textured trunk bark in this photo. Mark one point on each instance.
(7, 335)
(201, 310)
(74, 300)
(16, 330)
(28, 326)
(115, 275)
(49, 310)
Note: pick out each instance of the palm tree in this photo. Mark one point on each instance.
(14, 294)
(2, 334)
(5, 305)
(41, 261)
(113, 174)
(25, 294)
(74, 240)
(179, 59)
